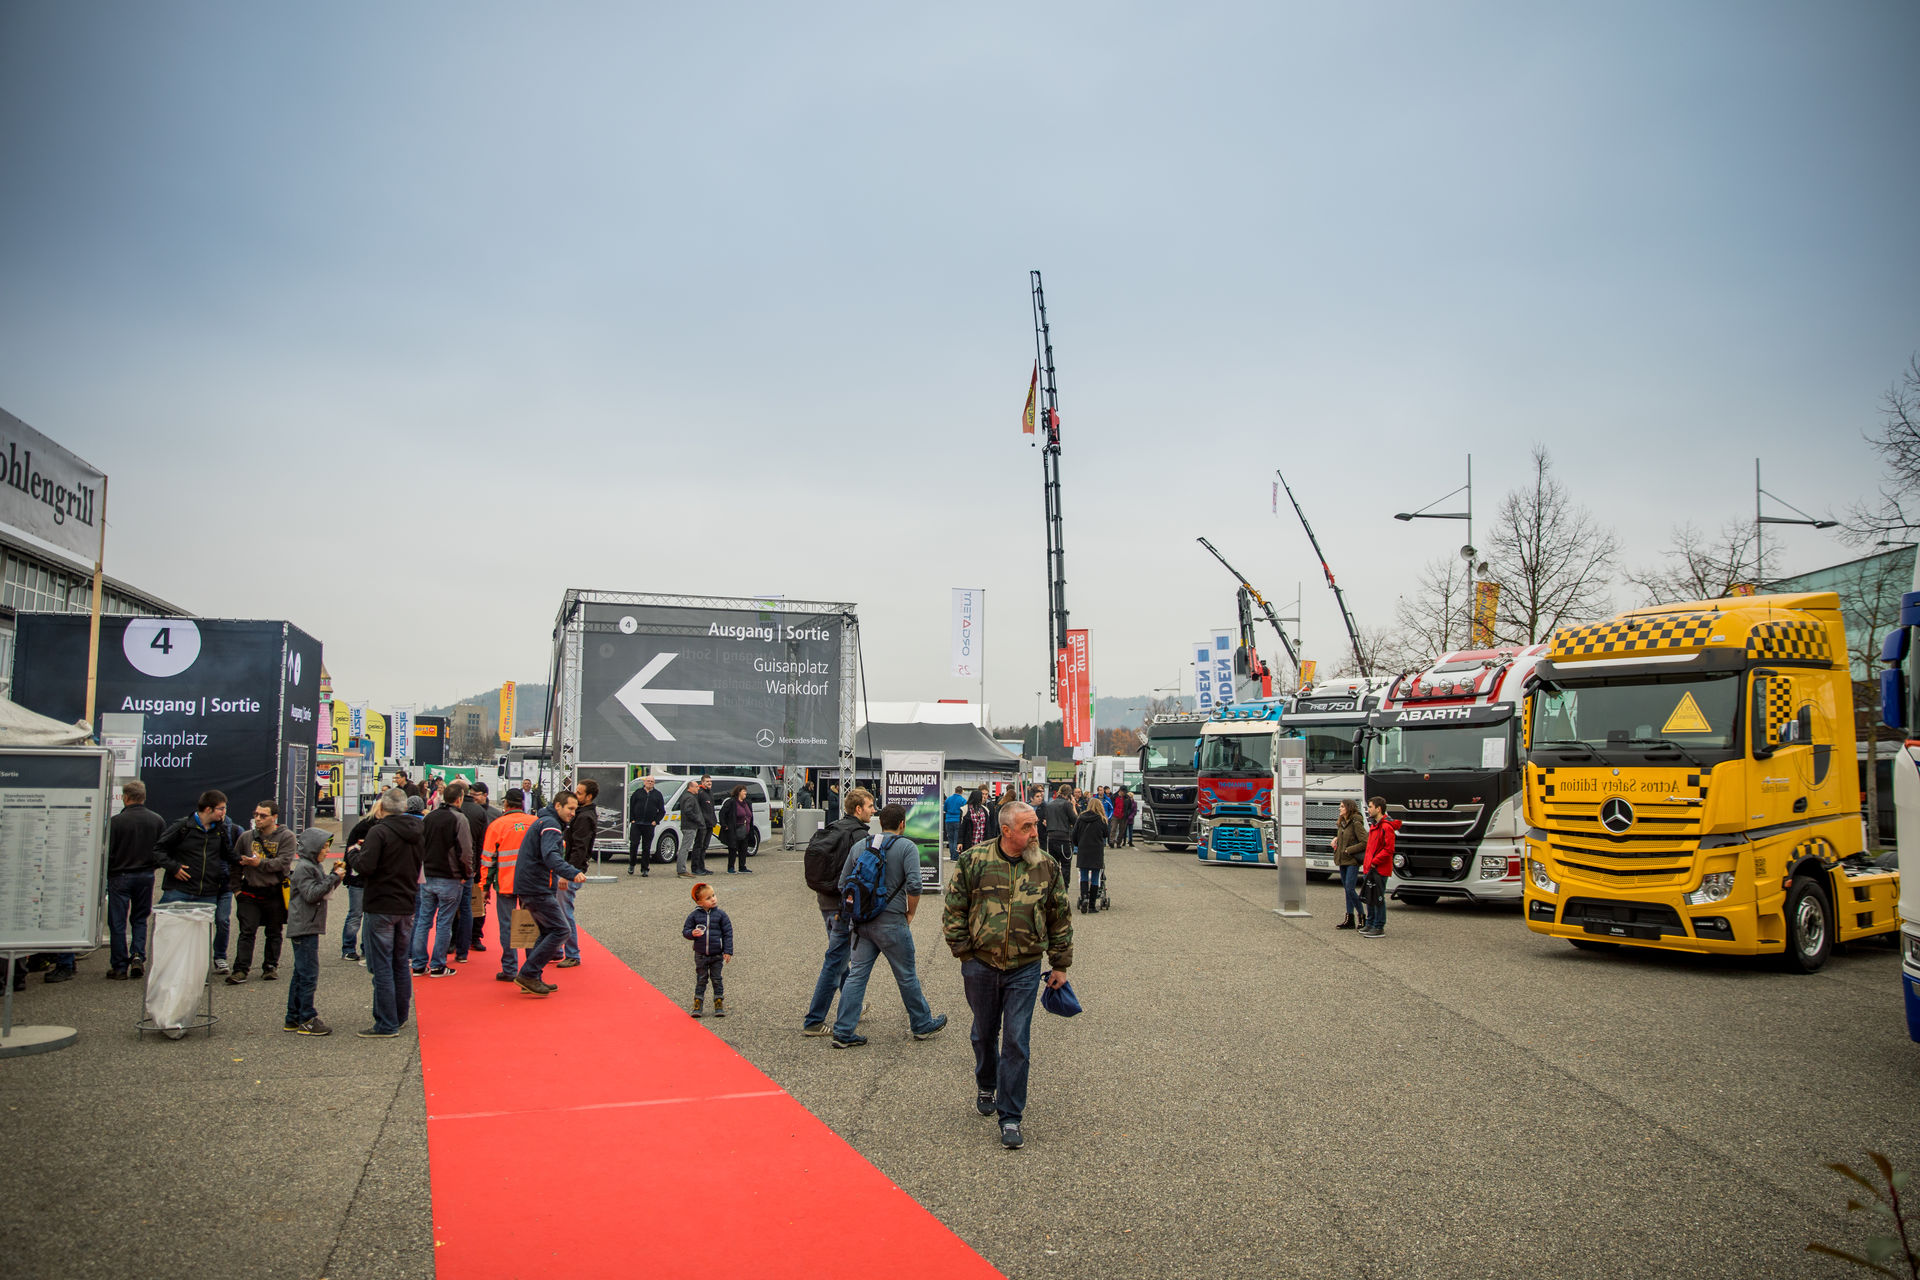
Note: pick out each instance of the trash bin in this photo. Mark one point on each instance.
(177, 969)
(800, 828)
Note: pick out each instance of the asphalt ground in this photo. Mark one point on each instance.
(1246, 1095)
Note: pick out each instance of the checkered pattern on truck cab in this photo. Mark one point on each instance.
(1636, 635)
(1789, 641)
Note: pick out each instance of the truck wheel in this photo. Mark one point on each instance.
(1594, 944)
(1809, 927)
(1419, 899)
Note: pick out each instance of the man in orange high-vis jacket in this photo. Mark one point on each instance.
(501, 851)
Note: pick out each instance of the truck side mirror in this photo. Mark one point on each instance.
(1360, 749)
(1757, 717)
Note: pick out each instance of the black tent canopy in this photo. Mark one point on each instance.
(967, 749)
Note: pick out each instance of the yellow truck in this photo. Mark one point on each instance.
(1690, 784)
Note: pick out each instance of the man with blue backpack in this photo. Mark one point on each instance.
(880, 891)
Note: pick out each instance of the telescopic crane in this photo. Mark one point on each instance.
(1286, 642)
(1050, 465)
(1353, 632)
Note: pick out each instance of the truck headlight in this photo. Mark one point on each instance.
(1455, 862)
(1493, 866)
(1541, 880)
(1714, 887)
(1912, 941)
(1399, 861)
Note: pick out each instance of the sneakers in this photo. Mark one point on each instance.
(1010, 1135)
(983, 1102)
(219, 964)
(699, 1006)
(851, 1042)
(933, 1030)
(314, 1027)
(444, 971)
(533, 986)
(375, 1033)
(351, 955)
(814, 1029)
(479, 946)
(420, 972)
(116, 975)
(719, 1006)
(505, 977)
(574, 963)
(269, 974)
(137, 969)
(236, 977)
(290, 1026)
(1371, 933)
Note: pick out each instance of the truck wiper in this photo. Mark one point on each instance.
(1563, 743)
(1665, 744)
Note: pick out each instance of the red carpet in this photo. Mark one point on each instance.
(600, 1131)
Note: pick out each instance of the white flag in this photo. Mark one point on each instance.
(969, 609)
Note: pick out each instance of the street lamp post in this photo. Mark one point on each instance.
(1759, 534)
(1467, 553)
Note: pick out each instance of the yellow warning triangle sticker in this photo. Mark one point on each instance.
(1686, 718)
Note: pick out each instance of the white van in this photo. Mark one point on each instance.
(666, 841)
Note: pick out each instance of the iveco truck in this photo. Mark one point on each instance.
(1329, 717)
(1443, 751)
(1167, 778)
(1691, 786)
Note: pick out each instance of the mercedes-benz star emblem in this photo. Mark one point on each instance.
(765, 739)
(1616, 815)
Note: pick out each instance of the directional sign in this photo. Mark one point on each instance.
(669, 685)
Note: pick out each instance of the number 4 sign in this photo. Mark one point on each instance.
(161, 646)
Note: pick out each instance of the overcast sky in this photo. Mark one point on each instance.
(397, 320)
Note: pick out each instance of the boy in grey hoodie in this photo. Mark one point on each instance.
(306, 921)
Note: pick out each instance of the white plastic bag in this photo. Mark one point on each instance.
(177, 969)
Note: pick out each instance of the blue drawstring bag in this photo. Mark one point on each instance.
(1062, 1001)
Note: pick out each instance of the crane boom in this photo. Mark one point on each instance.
(1286, 642)
(1050, 466)
(1353, 632)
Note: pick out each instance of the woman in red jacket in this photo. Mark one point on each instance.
(1377, 864)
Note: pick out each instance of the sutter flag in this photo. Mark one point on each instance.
(1033, 390)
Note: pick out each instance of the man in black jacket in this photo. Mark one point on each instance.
(389, 860)
(479, 815)
(644, 812)
(1057, 825)
(581, 830)
(131, 862)
(696, 827)
(196, 861)
(448, 855)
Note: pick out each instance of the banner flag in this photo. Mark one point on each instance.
(401, 726)
(1033, 390)
(967, 602)
(1223, 668)
(508, 708)
(1202, 652)
(1486, 607)
(1076, 707)
(1308, 669)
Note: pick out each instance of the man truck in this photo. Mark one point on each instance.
(1167, 782)
(1690, 784)
(1443, 752)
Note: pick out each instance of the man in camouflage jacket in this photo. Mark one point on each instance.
(1006, 906)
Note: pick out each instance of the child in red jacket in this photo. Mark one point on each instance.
(1377, 864)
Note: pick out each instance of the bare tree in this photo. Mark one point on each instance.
(1897, 441)
(1389, 651)
(1698, 567)
(1552, 559)
(1870, 591)
(1430, 621)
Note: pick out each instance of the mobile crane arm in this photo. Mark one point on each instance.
(1286, 642)
(1353, 632)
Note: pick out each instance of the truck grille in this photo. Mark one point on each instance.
(1237, 844)
(1173, 796)
(1182, 826)
(1434, 866)
(1436, 824)
(1320, 822)
(1644, 919)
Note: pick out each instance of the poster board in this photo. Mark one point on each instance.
(53, 846)
(913, 778)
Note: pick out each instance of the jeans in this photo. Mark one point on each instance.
(709, 967)
(350, 934)
(1377, 892)
(1090, 878)
(439, 896)
(553, 933)
(129, 905)
(1350, 881)
(570, 949)
(306, 979)
(951, 832)
(890, 935)
(503, 904)
(222, 907)
(640, 846)
(1002, 1004)
(388, 941)
(833, 969)
(257, 912)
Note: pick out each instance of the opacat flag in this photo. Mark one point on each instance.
(1033, 391)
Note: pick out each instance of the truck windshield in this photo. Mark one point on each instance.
(1647, 714)
(1237, 755)
(1479, 747)
(1171, 753)
(1329, 748)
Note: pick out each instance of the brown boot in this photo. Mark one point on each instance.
(719, 1007)
(700, 1006)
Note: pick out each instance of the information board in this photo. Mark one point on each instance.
(53, 847)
